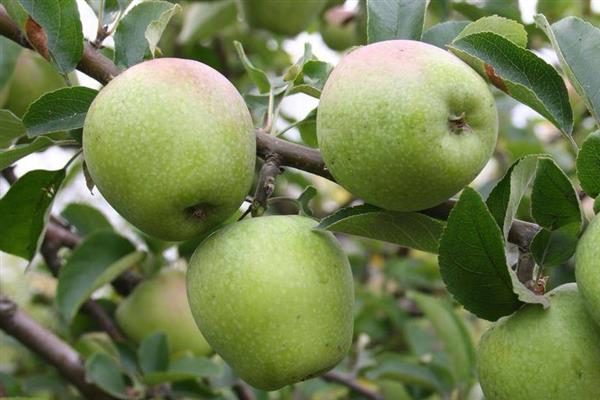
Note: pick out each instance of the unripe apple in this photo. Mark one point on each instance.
(33, 76)
(339, 28)
(551, 354)
(405, 125)
(170, 145)
(287, 17)
(587, 269)
(274, 298)
(160, 304)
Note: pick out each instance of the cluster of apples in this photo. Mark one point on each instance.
(170, 145)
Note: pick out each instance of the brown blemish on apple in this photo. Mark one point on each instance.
(495, 79)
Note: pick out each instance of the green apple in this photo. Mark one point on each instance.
(287, 17)
(405, 125)
(551, 354)
(170, 145)
(274, 298)
(339, 28)
(33, 77)
(160, 304)
(587, 270)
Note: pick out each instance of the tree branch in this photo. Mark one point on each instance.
(48, 346)
(352, 384)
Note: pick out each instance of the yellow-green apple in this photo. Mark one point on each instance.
(170, 145)
(274, 298)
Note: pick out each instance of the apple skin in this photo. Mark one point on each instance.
(274, 298)
(587, 270)
(383, 124)
(160, 304)
(33, 77)
(166, 137)
(551, 354)
(286, 17)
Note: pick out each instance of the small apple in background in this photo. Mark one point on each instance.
(286, 17)
(551, 354)
(340, 28)
(587, 268)
(170, 145)
(405, 125)
(274, 298)
(160, 304)
(33, 76)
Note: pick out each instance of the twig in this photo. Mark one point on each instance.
(48, 346)
(243, 391)
(266, 184)
(338, 377)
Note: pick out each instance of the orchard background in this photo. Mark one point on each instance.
(416, 325)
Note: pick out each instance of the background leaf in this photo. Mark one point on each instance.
(395, 19)
(588, 165)
(521, 74)
(103, 371)
(7, 157)
(11, 127)
(258, 76)
(153, 353)
(507, 28)
(472, 260)
(24, 210)
(577, 45)
(60, 110)
(85, 219)
(131, 44)
(61, 23)
(203, 19)
(185, 368)
(443, 34)
(414, 230)
(99, 259)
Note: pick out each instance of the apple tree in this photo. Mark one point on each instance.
(299, 199)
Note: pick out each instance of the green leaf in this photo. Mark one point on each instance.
(554, 201)
(86, 219)
(111, 9)
(395, 19)
(404, 369)
(551, 248)
(521, 74)
(443, 34)
(472, 260)
(304, 199)
(11, 127)
(483, 8)
(7, 157)
(507, 28)
(139, 31)
(99, 259)
(61, 23)
(104, 372)
(452, 332)
(258, 76)
(24, 211)
(312, 78)
(60, 110)
(503, 201)
(588, 165)
(203, 19)
(9, 53)
(414, 230)
(153, 353)
(185, 368)
(577, 45)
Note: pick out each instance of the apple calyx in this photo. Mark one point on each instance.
(458, 124)
(199, 211)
